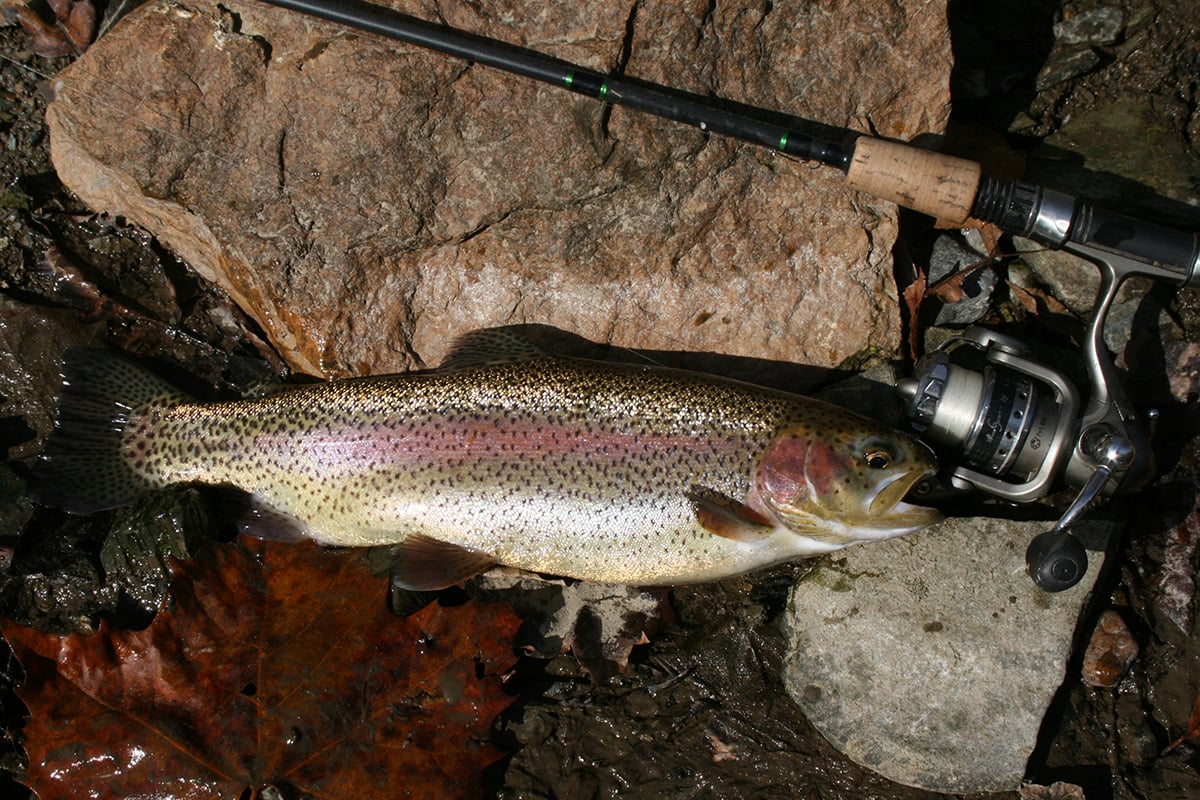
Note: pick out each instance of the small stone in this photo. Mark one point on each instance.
(1055, 791)
(1099, 26)
(1075, 281)
(952, 707)
(1110, 652)
(1063, 65)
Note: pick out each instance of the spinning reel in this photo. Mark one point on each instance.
(1014, 428)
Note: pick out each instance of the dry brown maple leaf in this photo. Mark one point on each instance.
(911, 299)
(68, 34)
(278, 665)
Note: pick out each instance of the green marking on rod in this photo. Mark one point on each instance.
(783, 141)
(569, 79)
(603, 90)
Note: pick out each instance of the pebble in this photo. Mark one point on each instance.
(1063, 66)
(1055, 791)
(1109, 653)
(1099, 26)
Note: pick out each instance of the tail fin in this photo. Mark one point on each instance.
(82, 468)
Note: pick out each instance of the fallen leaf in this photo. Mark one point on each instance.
(912, 297)
(949, 289)
(276, 670)
(1038, 302)
(599, 623)
(1192, 729)
(68, 34)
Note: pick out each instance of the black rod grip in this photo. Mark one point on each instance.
(1026, 209)
(1174, 250)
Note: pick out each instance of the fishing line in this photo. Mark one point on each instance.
(295, 183)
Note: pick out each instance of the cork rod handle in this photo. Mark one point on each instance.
(941, 186)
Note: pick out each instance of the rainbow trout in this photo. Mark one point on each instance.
(504, 455)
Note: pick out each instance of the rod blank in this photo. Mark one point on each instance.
(644, 96)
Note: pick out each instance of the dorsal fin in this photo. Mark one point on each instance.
(490, 346)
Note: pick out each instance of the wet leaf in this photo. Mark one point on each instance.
(68, 34)
(277, 669)
(950, 288)
(599, 623)
(1192, 729)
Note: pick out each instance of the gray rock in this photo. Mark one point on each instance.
(1075, 281)
(950, 255)
(1064, 64)
(366, 202)
(1097, 26)
(932, 659)
(1124, 156)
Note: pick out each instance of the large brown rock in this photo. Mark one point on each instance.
(366, 201)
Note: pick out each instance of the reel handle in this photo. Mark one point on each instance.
(1055, 559)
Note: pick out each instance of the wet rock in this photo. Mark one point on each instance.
(1110, 651)
(702, 715)
(1077, 40)
(1122, 157)
(1097, 26)
(1063, 65)
(32, 339)
(1175, 565)
(365, 202)
(967, 279)
(933, 658)
(1075, 281)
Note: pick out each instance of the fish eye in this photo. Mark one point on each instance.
(878, 458)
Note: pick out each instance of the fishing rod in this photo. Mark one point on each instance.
(1014, 427)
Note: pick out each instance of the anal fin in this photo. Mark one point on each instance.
(427, 564)
(728, 518)
(255, 517)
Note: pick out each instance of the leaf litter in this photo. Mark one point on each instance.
(68, 32)
(273, 670)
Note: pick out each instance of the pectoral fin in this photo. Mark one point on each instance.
(427, 564)
(727, 517)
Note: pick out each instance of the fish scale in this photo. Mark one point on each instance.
(607, 472)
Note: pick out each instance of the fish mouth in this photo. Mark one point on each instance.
(887, 509)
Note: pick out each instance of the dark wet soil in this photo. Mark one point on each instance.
(69, 277)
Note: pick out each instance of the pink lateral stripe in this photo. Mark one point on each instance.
(484, 441)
